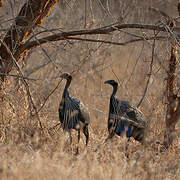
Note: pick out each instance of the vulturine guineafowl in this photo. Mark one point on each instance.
(123, 117)
(72, 112)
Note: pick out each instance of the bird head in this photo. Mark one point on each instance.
(111, 82)
(65, 76)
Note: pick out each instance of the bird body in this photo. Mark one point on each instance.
(72, 112)
(124, 118)
(69, 111)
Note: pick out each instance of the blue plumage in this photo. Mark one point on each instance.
(128, 132)
(121, 128)
(72, 113)
(125, 105)
(75, 100)
(124, 118)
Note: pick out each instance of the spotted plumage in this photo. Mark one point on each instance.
(124, 118)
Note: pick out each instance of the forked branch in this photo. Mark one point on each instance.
(31, 14)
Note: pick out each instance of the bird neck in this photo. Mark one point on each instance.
(68, 82)
(115, 87)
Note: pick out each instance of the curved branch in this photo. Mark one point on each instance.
(36, 43)
(102, 30)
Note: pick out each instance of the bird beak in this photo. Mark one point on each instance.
(106, 82)
(61, 76)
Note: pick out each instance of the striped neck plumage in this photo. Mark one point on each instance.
(115, 87)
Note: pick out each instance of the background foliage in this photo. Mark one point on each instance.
(27, 153)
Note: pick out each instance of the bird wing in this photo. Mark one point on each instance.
(117, 120)
(137, 116)
(71, 112)
(119, 107)
(85, 117)
(124, 116)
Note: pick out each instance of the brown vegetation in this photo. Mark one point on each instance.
(144, 62)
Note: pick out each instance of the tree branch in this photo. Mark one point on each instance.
(17, 76)
(33, 44)
(32, 13)
(102, 30)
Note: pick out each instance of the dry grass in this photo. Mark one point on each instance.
(44, 157)
(28, 153)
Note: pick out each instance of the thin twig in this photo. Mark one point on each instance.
(54, 126)
(46, 54)
(49, 95)
(159, 11)
(150, 73)
(17, 76)
(85, 14)
(24, 82)
(117, 43)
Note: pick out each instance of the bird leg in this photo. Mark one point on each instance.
(77, 150)
(86, 133)
(111, 134)
(126, 148)
(70, 137)
(78, 135)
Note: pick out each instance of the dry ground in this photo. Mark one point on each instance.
(26, 152)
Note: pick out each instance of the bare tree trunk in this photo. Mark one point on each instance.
(173, 106)
(31, 14)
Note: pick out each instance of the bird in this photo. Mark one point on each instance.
(73, 114)
(124, 117)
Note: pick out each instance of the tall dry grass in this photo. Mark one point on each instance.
(26, 152)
